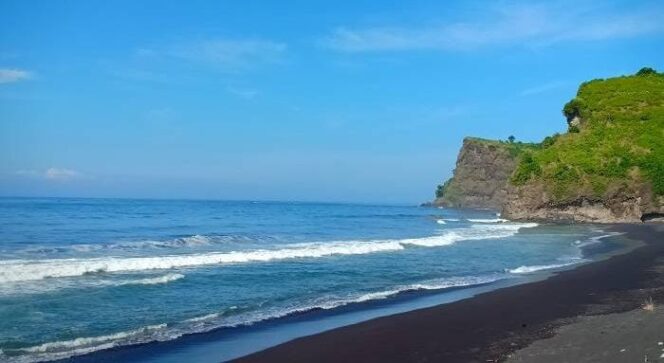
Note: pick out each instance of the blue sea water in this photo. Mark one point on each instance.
(84, 275)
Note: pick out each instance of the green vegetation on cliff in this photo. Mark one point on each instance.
(515, 148)
(615, 140)
(452, 192)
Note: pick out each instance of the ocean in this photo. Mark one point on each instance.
(85, 275)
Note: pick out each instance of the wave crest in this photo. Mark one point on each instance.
(192, 241)
(596, 239)
(534, 268)
(152, 280)
(162, 332)
(26, 270)
(492, 220)
(69, 348)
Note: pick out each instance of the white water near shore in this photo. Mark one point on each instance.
(160, 332)
(79, 277)
(26, 270)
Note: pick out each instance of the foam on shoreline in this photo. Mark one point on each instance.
(163, 332)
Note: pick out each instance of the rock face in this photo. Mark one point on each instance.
(624, 205)
(482, 180)
(481, 177)
(608, 167)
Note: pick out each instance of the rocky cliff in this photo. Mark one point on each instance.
(481, 176)
(626, 204)
(608, 167)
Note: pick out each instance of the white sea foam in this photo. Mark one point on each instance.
(475, 232)
(491, 220)
(181, 242)
(203, 318)
(81, 342)
(438, 284)
(164, 279)
(27, 270)
(40, 269)
(68, 348)
(534, 268)
(45, 286)
(440, 221)
(596, 239)
(332, 302)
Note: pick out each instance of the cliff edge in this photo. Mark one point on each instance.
(482, 174)
(608, 167)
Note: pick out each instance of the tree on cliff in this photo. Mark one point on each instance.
(646, 71)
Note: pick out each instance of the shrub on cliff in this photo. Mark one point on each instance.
(619, 143)
(646, 71)
(573, 109)
(440, 190)
(527, 168)
(550, 140)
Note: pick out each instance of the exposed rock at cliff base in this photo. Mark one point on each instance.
(481, 177)
(625, 205)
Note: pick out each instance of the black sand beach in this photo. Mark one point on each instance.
(491, 326)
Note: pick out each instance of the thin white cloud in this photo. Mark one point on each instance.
(542, 88)
(61, 174)
(52, 174)
(161, 62)
(229, 54)
(534, 24)
(245, 93)
(11, 75)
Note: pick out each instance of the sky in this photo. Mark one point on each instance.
(363, 101)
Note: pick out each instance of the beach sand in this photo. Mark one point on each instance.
(634, 336)
(554, 320)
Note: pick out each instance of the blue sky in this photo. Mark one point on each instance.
(290, 100)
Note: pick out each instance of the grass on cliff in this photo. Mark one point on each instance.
(514, 148)
(620, 141)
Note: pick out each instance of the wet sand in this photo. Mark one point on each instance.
(494, 326)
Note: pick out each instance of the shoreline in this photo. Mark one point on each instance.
(491, 325)
(279, 330)
(229, 343)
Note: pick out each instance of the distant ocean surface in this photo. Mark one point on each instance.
(81, 275)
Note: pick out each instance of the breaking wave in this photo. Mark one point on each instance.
(27, 270)
(439, 284)
(69, 348)
(445, 220)
(534, 268)
(193, 241)
(203, 318)
(492, 220)
(162, 332)
(595, 240)
(44, 286)
(151, 280)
